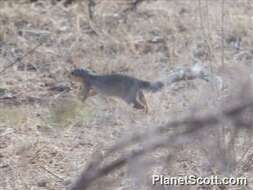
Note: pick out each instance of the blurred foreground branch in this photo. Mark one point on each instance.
(183, 128)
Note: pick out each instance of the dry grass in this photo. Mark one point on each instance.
(45, 143)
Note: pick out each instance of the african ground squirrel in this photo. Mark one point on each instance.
(128, 88)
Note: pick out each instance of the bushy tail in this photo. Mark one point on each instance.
(153, 87)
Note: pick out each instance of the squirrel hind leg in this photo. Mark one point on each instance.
(143, 101)
(138, 105)
(140, 102)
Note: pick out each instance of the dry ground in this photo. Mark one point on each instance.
(44, 144)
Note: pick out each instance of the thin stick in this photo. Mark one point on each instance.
(222, 32)
(20, 58)
(56, 176)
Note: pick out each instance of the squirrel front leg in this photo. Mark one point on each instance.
(84, 91)
(92, 92)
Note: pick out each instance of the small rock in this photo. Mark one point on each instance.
(59, 88)
(42, 183)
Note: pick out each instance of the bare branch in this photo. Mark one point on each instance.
(20, 58)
